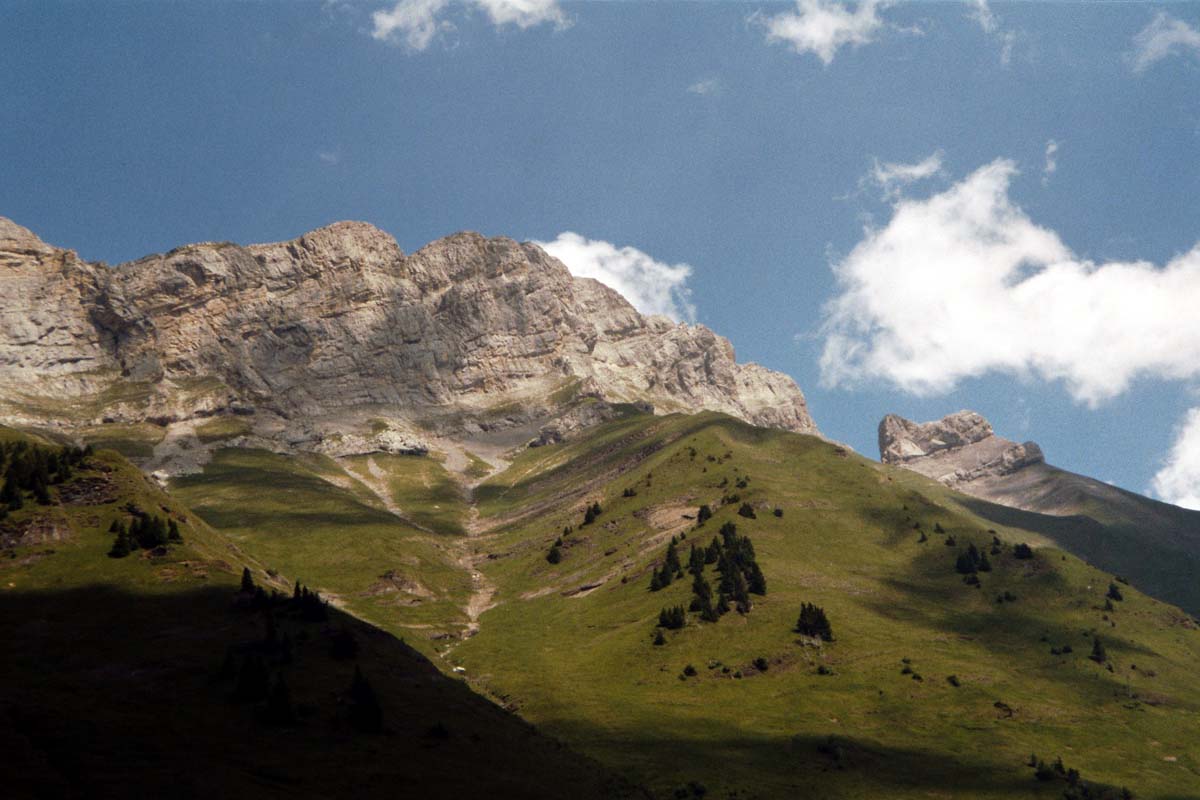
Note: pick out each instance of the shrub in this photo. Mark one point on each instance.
(1114, 593)
(1022, 551)
(778, 512)
(953, 681)
(747, 511)
(689, 671)
(761, 664)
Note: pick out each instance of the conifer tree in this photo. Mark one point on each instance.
(703, 515)
(247, 581)
(120, 547)
(813, 622)
(713, 553)
(555, 555)
(756, 582)
(173, 534)
(1098, 653)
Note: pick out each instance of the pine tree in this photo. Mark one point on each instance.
(984, 564)
(695, 561)
(756, 582)
(120, 547)
(555, 555)
(712, 553)
(741, 594)
(1098, 653)
(703, 515)
(747, 510)
(659, 638)
(673, 557)
(173, 534)
(247, 581)
(1114, 593)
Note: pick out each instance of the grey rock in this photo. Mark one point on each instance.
(337, 330)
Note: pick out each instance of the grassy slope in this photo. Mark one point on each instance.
(110, 669)
(584, 666)
(336, 538)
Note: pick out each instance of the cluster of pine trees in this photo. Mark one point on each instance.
(257, 668)
(813, 622)
(144, 532)
(739, 576)
(33, 469)
(1076, 787)
(971, 561)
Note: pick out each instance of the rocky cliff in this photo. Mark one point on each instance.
(959, 450)
(338, 337)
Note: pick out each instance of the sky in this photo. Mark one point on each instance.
(910, 208)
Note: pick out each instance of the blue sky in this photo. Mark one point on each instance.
(760, 144)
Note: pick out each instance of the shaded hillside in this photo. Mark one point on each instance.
(153, 674)
(1155, 544)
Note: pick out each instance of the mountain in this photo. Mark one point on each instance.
(1154, 543)
(943, 675)
(339, 342)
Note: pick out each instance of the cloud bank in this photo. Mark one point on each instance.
(1178, 481)
(1165, 36)
(653, 287)
(822, 27)
(415, 23)
(964, 283)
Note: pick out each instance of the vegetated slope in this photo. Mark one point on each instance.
(1153, 543)
(933, 686)
(154, 673)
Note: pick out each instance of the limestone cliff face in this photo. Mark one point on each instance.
(467, 334)
(958, 449)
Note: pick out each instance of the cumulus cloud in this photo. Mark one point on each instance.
(415, 23)
(706, 86)
(1051, 164)
(1165, 36)
(651, 286)
(964, 283)
(822, 27)
(1178, 481)
(892, 177)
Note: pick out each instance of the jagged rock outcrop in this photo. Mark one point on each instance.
(958, 449)
(321, 338)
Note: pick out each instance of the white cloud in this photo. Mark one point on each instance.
(822, 27)
(892, 177)
(964, 283)
(651, 286)
(706, 86)
(330, 157)
(416, 23)
(1178, 481)
(1051, 164)
(1164, 36)
(982, 13)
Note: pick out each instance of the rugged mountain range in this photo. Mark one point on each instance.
(1156, 543)
(339, 341)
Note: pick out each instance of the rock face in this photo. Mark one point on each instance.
(337, 331)
(958, 450)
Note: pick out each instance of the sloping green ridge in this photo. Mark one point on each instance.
(569, 645)
(114, 687)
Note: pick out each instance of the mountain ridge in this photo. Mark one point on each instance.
(332, 334)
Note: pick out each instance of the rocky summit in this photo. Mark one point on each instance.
(339, 342)
(958, 450)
